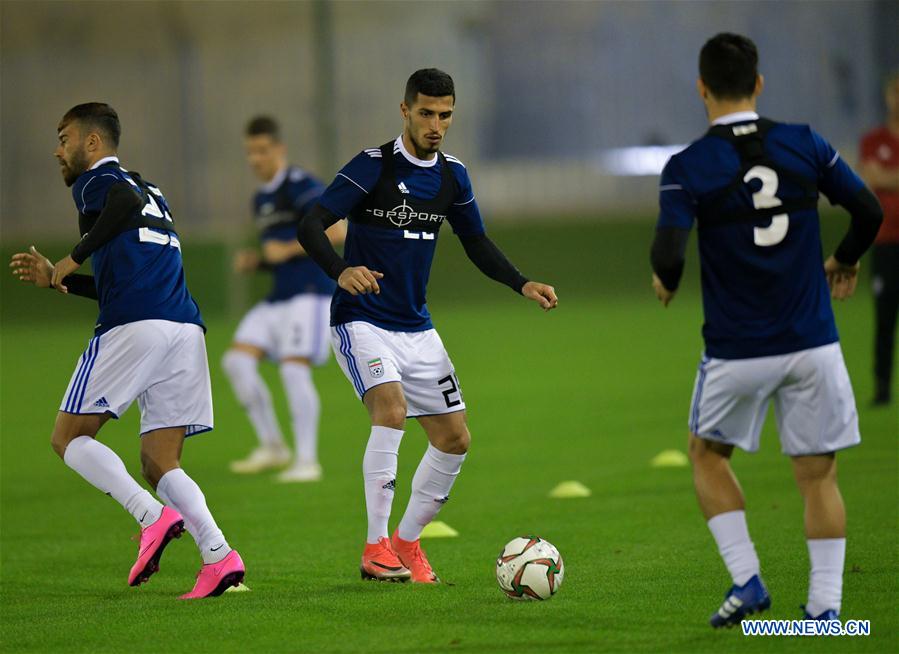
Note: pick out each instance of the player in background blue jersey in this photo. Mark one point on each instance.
(148, 346)
(396, 197)
(291, 325)
(751, 185)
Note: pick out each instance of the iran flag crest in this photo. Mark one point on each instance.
(376, 368)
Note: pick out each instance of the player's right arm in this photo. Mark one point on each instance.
(32, 267)
(349, 188)
(669, 247)
(355, 280)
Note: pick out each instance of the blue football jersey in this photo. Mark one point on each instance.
(138, 273)
(277, 209)
(752, 186)
(394, 220)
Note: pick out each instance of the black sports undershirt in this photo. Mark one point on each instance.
(866, 217)
(668, 253)
(82, 285)
(311, 235)
(121, 202)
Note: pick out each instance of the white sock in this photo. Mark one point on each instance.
(104, 469)
(825, 586)
(732, 535)
(379, 475)
(250, 389)
(188, 525)
(304, 409)
(182, 494)
(430, 490)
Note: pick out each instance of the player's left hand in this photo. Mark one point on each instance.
(62, 269)
(665, 296)
(542, 294)
(841, 278)
(32, 267)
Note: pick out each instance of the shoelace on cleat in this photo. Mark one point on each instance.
(387, 553)
(419, 556)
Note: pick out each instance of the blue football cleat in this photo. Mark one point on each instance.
(829, 614)
(740, 601)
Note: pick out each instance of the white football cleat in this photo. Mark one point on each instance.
(301, 472)
(262, 458)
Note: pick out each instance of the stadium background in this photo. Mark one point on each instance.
(550, 95)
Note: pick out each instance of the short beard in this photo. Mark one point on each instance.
(72, 172)
(424, 149)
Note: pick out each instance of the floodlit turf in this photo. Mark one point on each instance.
(589, 393)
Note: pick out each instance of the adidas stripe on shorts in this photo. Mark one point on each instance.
(370, 356)
(159, 363)
(813, 401)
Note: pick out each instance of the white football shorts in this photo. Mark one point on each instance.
(813, 401)
(370, 356)
(161, 364)
(297, 327)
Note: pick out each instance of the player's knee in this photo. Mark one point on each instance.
(236, 363)
(459, 441)
(452, 440)
(390, 415)
(695, 450)
(59, 443)
(702, 452)
(814, 470)
(60, 440)
(148, 469)
(387, 410)
(152, 468)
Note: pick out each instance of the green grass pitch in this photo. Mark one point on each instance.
(591, 392)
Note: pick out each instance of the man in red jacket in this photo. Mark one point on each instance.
(879, 159)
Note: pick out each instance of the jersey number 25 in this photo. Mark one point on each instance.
(152, 208)
(765, 198)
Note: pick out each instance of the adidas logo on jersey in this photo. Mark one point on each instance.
(102, 403)
(390, 485)
(442, 500)
(402, 187)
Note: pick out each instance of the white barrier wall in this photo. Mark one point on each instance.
(544, 90)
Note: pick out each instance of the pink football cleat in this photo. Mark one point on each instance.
(153, 540)
(213, 579)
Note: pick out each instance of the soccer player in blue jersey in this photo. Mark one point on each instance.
(291, 325)
(148, 345)
(751, 187)
(396, 197)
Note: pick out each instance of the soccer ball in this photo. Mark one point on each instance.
(529, 568)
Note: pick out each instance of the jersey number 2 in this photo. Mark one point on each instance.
(765, 198)
(453, 388)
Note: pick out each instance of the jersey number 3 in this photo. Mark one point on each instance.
(765, 198)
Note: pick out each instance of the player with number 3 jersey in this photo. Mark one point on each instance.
(751, 187)
(148, 345)
(396, 198)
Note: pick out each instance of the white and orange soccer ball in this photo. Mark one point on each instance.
(529, 568)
